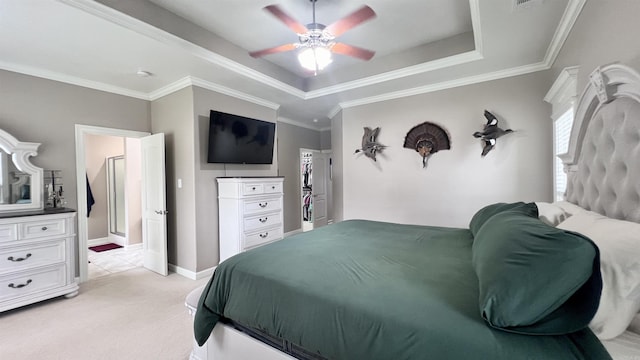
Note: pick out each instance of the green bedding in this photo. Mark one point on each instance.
(370, 290)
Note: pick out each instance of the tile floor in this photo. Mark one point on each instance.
(113, 261)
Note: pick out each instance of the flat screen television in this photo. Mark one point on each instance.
(235, 139)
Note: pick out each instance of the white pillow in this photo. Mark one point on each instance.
(619, 244)
(568, 207)
(551, 214)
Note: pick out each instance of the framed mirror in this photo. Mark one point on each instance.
(20, 181)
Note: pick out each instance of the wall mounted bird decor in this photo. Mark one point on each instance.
(427, 138)
(370, 146)
(490, 133)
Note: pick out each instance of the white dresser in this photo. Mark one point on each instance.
(37, 259)
(249, 212)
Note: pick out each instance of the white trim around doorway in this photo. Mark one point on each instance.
(81, 171)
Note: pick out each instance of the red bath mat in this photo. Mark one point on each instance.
(104, 247)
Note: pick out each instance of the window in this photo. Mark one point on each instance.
(562, 97)
(561, 134)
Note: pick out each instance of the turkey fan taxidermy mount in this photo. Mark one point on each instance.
(318, 36)
(427, 138)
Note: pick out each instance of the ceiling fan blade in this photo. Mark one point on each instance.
(285, 18)
(273, 50)
(354, 51)
(355, 18)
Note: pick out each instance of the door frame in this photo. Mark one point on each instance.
(81, 191)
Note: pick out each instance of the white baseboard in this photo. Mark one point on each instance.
(293, 232)
(97, 241)
(137, 246)
(191, 274)
(117, 239)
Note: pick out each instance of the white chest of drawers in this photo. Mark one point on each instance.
(36, 258)
(249, 213)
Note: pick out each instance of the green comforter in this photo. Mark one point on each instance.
(371, 290)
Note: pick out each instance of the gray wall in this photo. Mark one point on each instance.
(45, 111)
(173, 116)
(325, 139)
(206, 197)
(456, 182)
(337, 168)
(606, 32)
(290, 139)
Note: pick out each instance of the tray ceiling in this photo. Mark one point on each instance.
(420, 46)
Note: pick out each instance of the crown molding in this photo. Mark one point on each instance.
(474, 7)
(171, 88)
(568, 76)
(336, 109)
(563, 93)
(470, 80)
(569, 18)
(233, 93)
(105, 12)
(567, 22)
(194, 81)
(397, 74)
(55, 76)
(297, 123)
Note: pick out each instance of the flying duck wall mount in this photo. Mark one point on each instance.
(490, 133)
(370, 145)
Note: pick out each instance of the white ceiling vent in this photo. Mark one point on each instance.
(525, 4)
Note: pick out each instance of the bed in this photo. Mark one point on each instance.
(363, 289)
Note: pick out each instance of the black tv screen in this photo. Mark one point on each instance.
(235, 139)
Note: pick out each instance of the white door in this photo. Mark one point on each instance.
(154, 213)
(320, 166)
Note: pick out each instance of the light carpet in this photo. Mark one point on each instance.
(135, 314)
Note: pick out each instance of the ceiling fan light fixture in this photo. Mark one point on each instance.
(315, 58)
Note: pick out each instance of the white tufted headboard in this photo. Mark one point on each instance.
(603, 161)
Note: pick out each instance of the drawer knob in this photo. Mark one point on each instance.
(14, 286)
(263, 205)
(10, 258)
(253, 188)
(273, 187)
(44, 228)
(264, 235)
(263, 220)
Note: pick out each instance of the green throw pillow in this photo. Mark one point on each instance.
(534, 278)
(484, 214)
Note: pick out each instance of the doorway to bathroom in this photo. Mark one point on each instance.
(114, 233)
(144, 201)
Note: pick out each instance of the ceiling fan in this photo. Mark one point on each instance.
(317, 40)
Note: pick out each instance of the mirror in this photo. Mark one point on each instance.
(115, 184)
(20, 180)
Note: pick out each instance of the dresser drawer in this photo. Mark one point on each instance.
(8, 232)
(28, 282)
(262, 205)
(25, 257)
(270, 188)
(262, 237)
(262, 221)
(252, 189)
(42, 228)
